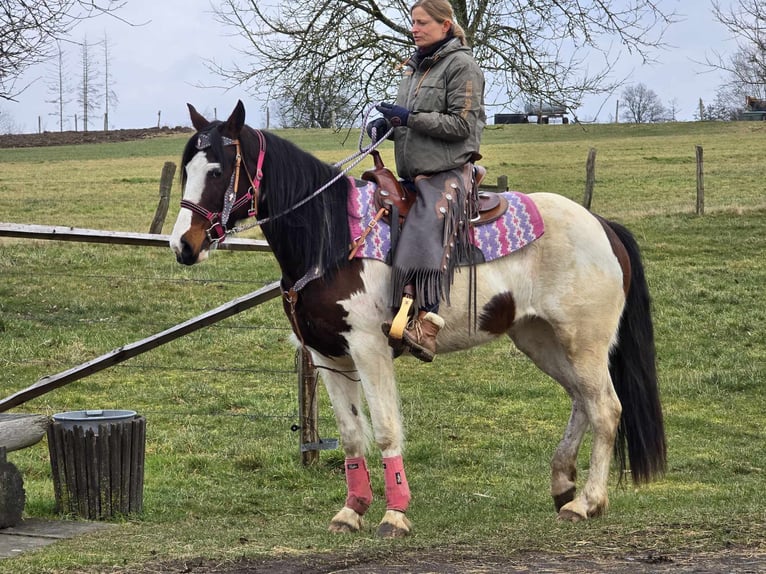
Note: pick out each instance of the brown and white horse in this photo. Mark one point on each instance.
(575, 301)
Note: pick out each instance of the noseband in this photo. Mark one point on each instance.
(217, 231)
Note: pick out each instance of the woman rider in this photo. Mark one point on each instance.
(438, 120)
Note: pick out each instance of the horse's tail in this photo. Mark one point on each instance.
(634, 376)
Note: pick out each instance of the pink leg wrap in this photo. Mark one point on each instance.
(358, 480)
(397, 489)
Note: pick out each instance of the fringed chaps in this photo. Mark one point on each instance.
(435, 236)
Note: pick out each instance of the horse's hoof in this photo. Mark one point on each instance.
(559, 500)
(345, 522)
(394, 525)
(342, 528)
(570, 516)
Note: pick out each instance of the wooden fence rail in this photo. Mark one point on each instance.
(82, 235)
(309, 441)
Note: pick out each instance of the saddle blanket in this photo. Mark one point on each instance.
(519, 226)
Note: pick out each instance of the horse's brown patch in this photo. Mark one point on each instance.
(619, 252)
(498, 315)
(321, 320)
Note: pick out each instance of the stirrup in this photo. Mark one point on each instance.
(402, 318)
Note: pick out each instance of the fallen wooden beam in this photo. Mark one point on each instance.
(121, 354)
(19, 431)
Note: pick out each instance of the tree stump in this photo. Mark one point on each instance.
(98, 475)
(12, 495)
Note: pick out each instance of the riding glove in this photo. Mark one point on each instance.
(381, 127)
(397, 115)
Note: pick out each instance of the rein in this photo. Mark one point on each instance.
(356, 157)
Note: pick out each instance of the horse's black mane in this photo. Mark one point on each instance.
(314, 235)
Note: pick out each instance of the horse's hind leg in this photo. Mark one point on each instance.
(582, 369)
(564, 462)
(602, 407)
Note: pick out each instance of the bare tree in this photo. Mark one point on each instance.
(727, 106)
(88, 93)
(672, 109)
(746, 22)
(59, 89)
(7, 125)
(745, 67)
(527, 48)
(642, 105)
(316, 103)
(29, 30)
(110, 96)
(739, 84)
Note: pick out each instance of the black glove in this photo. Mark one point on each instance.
(381, 127)
(397, 115)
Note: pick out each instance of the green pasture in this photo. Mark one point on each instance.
(223, 474)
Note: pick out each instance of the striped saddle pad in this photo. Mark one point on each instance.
(519, 226)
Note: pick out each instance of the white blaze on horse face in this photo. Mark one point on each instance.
(196, 173)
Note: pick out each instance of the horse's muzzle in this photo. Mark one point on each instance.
(186, 255)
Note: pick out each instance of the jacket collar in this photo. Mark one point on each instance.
(423, 59)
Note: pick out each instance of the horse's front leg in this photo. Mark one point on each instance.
(376, 370)
(344, 390)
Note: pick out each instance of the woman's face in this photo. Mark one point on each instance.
(425, 30)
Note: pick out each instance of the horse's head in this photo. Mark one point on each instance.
(217, 185)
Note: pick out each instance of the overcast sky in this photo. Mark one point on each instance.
(160, 65)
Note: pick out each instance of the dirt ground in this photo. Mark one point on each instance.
(449, 561)
(74, 138)
(434, 561)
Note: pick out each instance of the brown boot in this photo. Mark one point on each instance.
(420, 335)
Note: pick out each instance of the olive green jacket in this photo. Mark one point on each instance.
(445, 96)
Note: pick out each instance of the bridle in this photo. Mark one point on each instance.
(217, 231)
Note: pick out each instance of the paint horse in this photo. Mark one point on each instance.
(575, 301)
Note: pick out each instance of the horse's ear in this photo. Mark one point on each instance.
(198, 121)
(236, 120)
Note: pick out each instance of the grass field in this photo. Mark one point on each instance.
(223, 476)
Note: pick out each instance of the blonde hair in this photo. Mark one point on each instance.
(441, 11)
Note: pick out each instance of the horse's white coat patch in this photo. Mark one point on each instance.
(196, 171)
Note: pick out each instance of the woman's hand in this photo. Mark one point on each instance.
(397, 115)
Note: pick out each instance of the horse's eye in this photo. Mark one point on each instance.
(216, 172)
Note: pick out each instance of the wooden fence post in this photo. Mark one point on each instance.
(309, 411)
(590, 178)
(502, 183)
(166, 184)
(700, 182)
